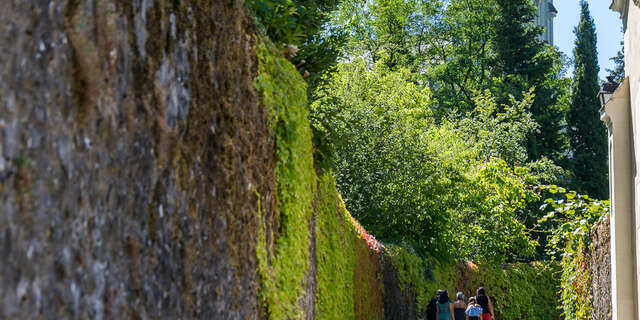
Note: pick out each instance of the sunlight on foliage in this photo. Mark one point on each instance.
(433, 186)
(283, 93)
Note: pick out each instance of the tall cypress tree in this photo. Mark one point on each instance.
(588, 137)
(524, 61)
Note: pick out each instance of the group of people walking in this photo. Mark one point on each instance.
(479, 307)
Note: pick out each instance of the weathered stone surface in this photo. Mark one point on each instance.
(132, 154)
(601, 270)
(399, 304)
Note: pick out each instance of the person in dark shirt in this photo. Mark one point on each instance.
(485, 302)
(432, 307)
(459, 307)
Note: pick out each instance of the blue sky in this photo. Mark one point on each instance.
(608, 28)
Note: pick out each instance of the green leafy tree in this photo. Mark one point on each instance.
(500, 131)
(518, 49)
(448, 190)
(388, 30)
(373, 127)
(459, 53)
(587, 133)
(618, 71)
(523, 61)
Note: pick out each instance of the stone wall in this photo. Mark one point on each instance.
(132, 151)
(601, 270)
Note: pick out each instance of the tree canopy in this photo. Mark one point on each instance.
(441, 119)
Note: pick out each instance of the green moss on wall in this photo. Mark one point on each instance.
(335, 238)
(283, 269)
(367, 282)
(348, 275)
(410, 271)
(518, 291)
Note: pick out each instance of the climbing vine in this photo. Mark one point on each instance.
(572, 217)
(348, 261)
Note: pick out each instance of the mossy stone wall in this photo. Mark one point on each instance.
(133, 155)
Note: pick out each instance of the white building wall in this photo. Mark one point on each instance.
(632, 70)
(625, 181)
(632, 51)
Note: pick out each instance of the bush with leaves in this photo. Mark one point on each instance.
(436, 187)
(487, 222)
(373, 127)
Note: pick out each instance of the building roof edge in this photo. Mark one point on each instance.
(622, 7)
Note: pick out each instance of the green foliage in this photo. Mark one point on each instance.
(517, 45)
(487, 225)
(518, 290)
(500, 131)
(411, 181)
(292, 21)
(571, 218)
(459, 47)
(446, 43)
(303, 23)
(383, 30)
(522, 62)
(588, 135)
(335, 239)
(371, 126)
(283, 93)
(618, 71)
(460, 52)
(280, 19)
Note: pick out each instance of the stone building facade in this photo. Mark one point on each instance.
(544, 18)
(621, 113)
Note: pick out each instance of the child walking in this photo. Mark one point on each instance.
(474, 310)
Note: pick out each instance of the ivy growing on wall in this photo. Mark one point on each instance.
(572, 217)
(518, 290)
